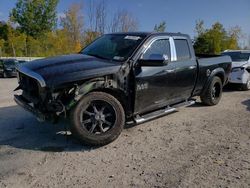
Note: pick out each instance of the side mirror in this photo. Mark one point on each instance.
(154, 60)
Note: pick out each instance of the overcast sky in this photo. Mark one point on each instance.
(180, 15)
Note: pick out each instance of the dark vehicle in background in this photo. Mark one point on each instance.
(8, 67)
(240, 73)
(118, 78)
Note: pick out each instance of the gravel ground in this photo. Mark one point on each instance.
(196, 147)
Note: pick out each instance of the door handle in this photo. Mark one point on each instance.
(192, 67)
(169, 71)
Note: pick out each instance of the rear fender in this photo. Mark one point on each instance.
(216, 72)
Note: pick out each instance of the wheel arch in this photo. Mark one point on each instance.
(221, 75)
(107, 85)
(219, 72)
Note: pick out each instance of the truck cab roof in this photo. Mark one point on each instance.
(148, 34)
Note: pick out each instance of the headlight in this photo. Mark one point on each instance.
(8, 69)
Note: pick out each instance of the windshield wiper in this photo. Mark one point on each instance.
(98, 56)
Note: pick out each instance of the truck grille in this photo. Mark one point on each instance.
(29, 86)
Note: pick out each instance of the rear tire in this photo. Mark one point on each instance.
(246, 87)
(213, 93)
(98, 119)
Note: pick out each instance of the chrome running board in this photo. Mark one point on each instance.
(162, 112)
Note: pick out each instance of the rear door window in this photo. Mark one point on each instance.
(182, 49)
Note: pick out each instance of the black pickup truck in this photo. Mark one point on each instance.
(119, 78)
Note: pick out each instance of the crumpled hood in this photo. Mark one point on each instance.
(239, 63)
(69, 68)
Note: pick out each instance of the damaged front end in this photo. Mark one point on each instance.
(45, 103)
(48, 104)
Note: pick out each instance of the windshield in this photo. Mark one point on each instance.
(238, 56)
(117, 47)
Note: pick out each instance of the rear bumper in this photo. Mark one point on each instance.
(27, 106)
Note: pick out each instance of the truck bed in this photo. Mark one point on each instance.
(199, 56)
(206, 64)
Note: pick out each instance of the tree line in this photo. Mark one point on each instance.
(35, 29)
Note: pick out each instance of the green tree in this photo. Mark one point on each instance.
(35, 17)
(216, 39)
(34, 48)
(90, 36)
(2, 43)
(72, 23)
(56, 43)
(3, 37)
(161, 27)
(217, 36)
(3, 30)
(234, 33)
(16, 42)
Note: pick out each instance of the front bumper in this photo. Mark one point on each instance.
(28, 106)
(239, 77)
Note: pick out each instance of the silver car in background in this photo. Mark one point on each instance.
(240, 73)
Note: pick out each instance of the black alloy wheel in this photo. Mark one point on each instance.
(213, 93)
(97, 119)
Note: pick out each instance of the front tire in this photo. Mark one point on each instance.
(98, 119)
(213, 93)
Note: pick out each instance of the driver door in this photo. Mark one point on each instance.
(154, 85)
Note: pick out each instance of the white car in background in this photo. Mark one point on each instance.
(240, 73)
